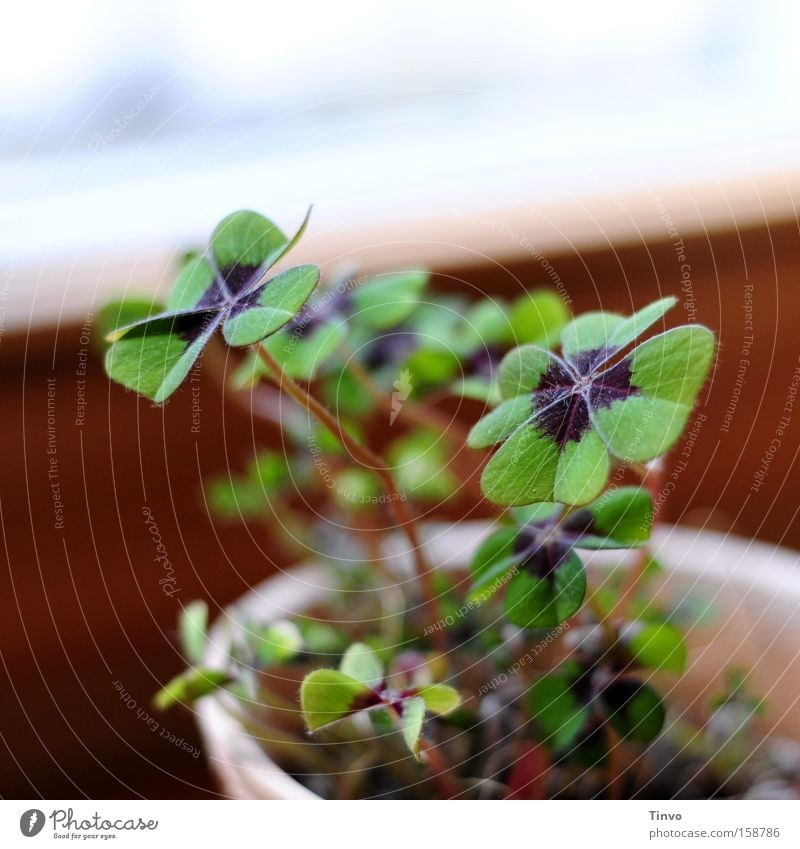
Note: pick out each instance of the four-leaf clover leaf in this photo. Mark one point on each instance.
(572, 705)
(563, 417)
(227, 288)
(548, 580)
(360, 683)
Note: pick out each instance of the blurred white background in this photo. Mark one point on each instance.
(128, 128)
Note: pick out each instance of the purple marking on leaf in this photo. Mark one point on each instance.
(578, 524)
(613, 384)
(583, 686)
(484, 362)
(545, 545)
(564, 396)
(558, 377)
(188, 326)
(216, 295)
(390, 349)
(564, 416)
(586, 361)
(541, 551)
(367, 700)
(246, 302)
(239, 278)
(619, 694)
(209, 323)
(559, 408)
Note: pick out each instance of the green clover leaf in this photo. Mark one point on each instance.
(412, 716)
(385, 301)
(190, 685)
(656, 645)
(229, 289)
(571, 704)
(558, 710)
(329, 695)
(192, 627)
(536, 562)
(634, 710)
(563, 417)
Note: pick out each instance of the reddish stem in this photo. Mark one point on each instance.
(652, 480)
(370, 460)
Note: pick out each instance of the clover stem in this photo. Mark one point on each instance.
(436, 761)
(440, 770)
(369, 460)
(602, 619)
(651, 480)
(591, 597)
(350, 780)
(616, 763)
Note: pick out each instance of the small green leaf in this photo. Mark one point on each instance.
(411, 723)
(430, 368)
(361, 663)
(477, 389)
(439, 325)
(272, 305)
(657, 646)
(535, 602)
(321, 638)
(439, 698)
(589, 332)
(385, 301)
(673, 366)
(193, 281)
(328, 695)
(523, 470)
(251, 370)
(486, 323)
(501, 422)
(247, 239)
(622, 518)
(235, 498)
(356, 489)
(668, 372)
(653, 568)
(493, 560)
(420, 466)
(538, 317)
(633, 326)
(269, 470)
(540, 511)
(521, 370)
(582, 470)
(192, 627)
(189, 686)
(122, 313)
(154, 356)
(559, 715)
(279, 642)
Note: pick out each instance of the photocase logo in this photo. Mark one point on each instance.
(31, 822)
(402, 389)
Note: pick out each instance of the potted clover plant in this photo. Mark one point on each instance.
(433, 659)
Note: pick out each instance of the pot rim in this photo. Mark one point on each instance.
(247, 771)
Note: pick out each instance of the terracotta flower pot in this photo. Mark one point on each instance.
(744, 597)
